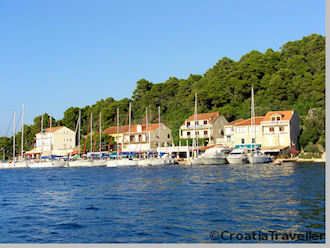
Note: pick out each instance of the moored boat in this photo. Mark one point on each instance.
(258, 157)
(237, 156)
(45, 163)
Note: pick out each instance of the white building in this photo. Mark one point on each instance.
(275, 131)
(141, 138)
(208, 126)
(54, 141)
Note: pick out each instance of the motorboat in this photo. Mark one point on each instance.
(258, 157)
(212, 156)
(238, 156)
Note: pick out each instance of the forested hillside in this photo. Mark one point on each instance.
(290, 78)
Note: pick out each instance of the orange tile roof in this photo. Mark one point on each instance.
(235, 122)
(247, 122)
(124, 129)
(204, 116)
(52, 129)
(286, 115)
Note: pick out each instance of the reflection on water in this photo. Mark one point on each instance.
(163, 204)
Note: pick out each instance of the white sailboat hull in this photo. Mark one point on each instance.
(87, 163)
(13, 165)
(47, 164)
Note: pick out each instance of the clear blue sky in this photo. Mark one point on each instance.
(57, 54)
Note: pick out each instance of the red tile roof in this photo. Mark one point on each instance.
(205, 116)
(286, 115)
(247, 122)
(124, 129)
(235, 122)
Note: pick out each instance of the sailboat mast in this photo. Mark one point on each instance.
(42, 123)
(91, 132)
(129, 122)
(117, 132)
(79, 127)
(14, 140)
(252, 116)
(158, 131)
(22, 132)
(50, 122)
(147, 129)
(195, 120)
(100, 131)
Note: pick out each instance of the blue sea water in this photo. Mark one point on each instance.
(160, 204)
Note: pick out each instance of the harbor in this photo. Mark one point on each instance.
(210, 140)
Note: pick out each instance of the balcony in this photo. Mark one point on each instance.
(192, 127)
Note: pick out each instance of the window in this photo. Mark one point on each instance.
(271, 129)
(205, 132)
(253, 140)
(181, 133)
(228, 138)
(276, 118)
(221, 132)
(188, 123)
(205, 122)
(281, 129)
(197, 133)
(168, 136)
(188, 133)
(243, 141)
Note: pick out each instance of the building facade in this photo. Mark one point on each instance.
(206, 126)
(141, 138)
(54, 141)
(275, 131)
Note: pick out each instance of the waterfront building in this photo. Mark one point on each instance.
(141, 138)
(274, 132)
(53, 141)
(206, 126)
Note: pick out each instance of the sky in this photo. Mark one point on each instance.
(58, 54)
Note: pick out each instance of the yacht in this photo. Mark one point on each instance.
(212, 156)
(238, 156)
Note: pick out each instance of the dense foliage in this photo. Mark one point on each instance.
(291, 78)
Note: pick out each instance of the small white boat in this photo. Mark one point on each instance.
(237, 156)
(47, 163)
(258, 157)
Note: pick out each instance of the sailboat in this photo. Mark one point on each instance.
(158, 161)
(129, 161)
(21, 163)
(16, 163)
(89, 162)
(100, 161)
(256, 156)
